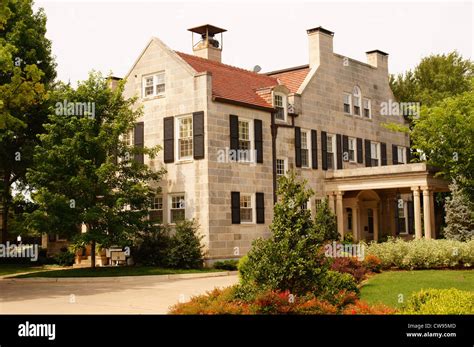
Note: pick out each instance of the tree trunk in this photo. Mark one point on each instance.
(93, 254)
(5, 204)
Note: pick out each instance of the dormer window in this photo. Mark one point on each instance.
(357, 100)
(280, 103)
(154, 85)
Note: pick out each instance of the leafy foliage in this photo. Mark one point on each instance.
(440, 301)
(423, 254)
(459, 216)
(325, 222)
(230, 265)
(291, 259)
(77, 178)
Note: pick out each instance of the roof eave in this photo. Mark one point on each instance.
(243, 104)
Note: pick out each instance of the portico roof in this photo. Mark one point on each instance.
(385, 177)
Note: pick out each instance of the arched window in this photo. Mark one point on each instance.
(357, 100)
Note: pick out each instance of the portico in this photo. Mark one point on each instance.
(386, 200)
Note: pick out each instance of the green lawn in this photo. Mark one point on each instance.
(114, 271)
(11, 269)
(386, 287)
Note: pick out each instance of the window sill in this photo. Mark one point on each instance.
(148, 98)
(247, 223)
(183, 161)
(367, 119)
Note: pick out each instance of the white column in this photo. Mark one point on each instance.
(427, 213)
(417, 212)
(433, 223)
(332, 206)
(340, 214)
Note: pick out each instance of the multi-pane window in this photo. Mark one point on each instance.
(367, 109)
(280, 167)
(127, 138)
(402, 155)
(317, 204)
(148, 88)
(347, 103)
(156, 210)
(185, 137)
(374, 154)
(349, 218)
(352, 149)
(154, 85)
(305, 205)
(304, 149)
(279, 104)
(330, 151)
(244, 140)
(177, 208)
(357, 97)
(402, 216)
(246, 211)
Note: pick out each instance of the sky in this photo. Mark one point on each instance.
(108, 36)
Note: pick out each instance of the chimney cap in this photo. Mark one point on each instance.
(207, 28)
(320, 29)
(376, 51)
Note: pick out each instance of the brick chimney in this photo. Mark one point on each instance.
(320, 45)
(208, 46)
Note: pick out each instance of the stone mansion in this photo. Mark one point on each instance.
(228, 133)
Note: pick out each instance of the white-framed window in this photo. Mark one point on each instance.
(280, 103)
(305, 148)
(375, 153)
(367, 108)
(281, 166)
(357, 100)
(347, 103)
(402, 155)
(349, 218)
(331, 151)
(127, 138)
(155, 214)
(317, 204)
(245, 140)
(153, 85)
(246, 208)
(177, 208)
(402, 216)
(306, 205)
(184, 136)
(352, 144)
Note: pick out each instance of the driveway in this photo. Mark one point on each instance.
(140, 295)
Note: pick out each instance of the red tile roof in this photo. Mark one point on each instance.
(292, 78)
(232, 83)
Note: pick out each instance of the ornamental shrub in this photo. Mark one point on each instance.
(440, 301)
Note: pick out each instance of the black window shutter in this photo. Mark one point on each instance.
(383, 153)
(314, 149)
(408, 155)
(260, 201)
(138, 141)
(298, 146)
(345, 147)
(394, 154)
(368, 156)
(324, 150)
(257, 129)
(339, 151)
(360, 154)
(168, 148)
(198, 135)
(235, 206)
(234, 133)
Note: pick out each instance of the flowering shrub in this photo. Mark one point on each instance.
(361, 307)
(372, 263)
(423, 254)
(223, 301)
(351, 266)
(440, 301)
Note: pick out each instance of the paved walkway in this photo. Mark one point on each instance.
(142, 295)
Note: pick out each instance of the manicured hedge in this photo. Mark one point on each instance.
(440, 301)
(423, 254)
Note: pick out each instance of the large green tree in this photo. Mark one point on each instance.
(435, 78)
(27, 70)
(77, 177)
